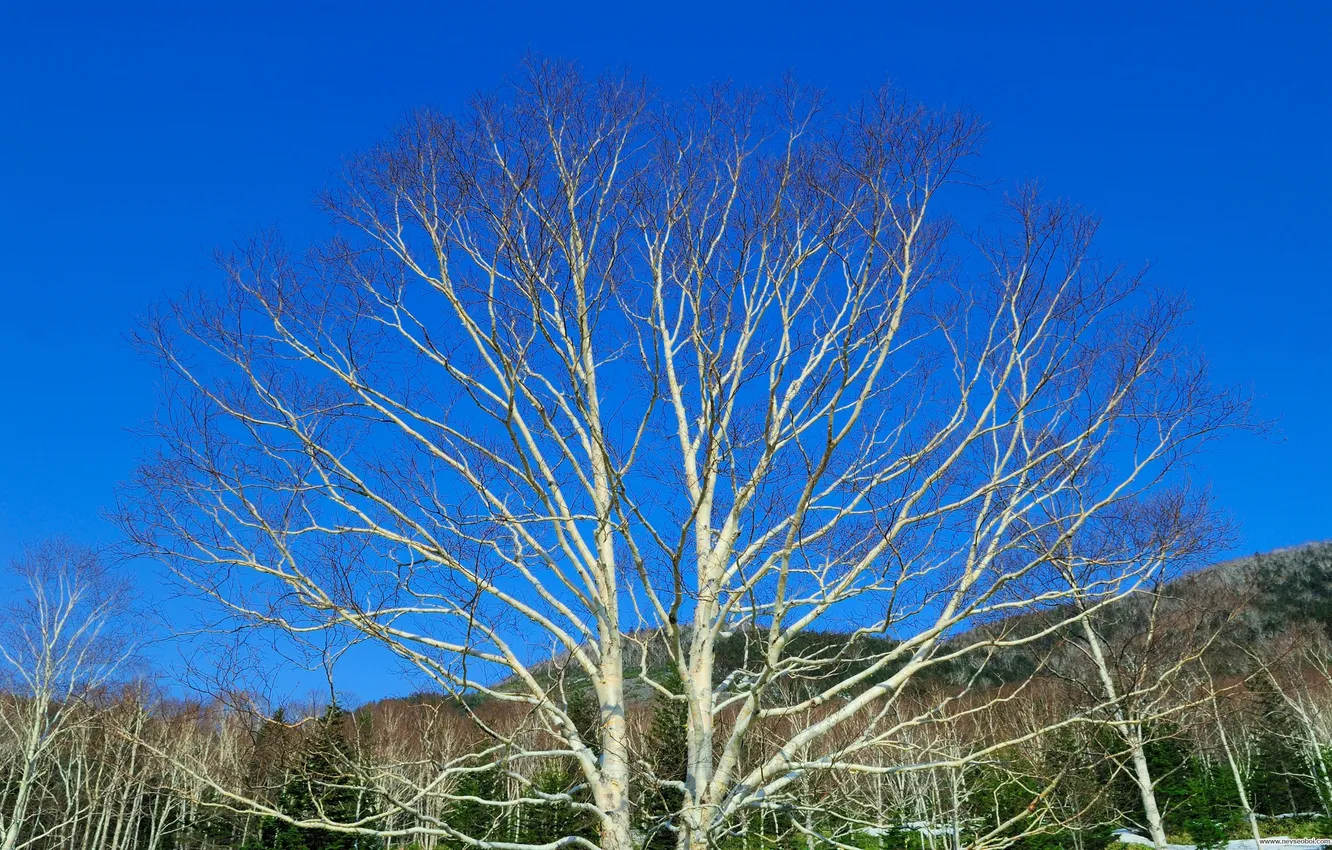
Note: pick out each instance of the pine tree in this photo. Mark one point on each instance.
(325, 786)
(472, 818)
(1211, 807)
(545, 823)
(659, 805)
(1279, 785)
(1295, 586)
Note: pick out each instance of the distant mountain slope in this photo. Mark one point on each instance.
(1240, 601)
(1249, 597)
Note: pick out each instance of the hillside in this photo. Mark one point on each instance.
(1250, 598)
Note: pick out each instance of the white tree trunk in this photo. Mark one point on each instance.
(1132, 734)
(1142, 776)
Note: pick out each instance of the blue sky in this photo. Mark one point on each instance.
(137, 138)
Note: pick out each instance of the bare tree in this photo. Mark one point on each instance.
(59, 643)
(592, 378)
(1297, 664)
(1132, 663)
(1237, 773)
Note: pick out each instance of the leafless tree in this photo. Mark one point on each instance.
(59, 643)
(1132, 663)
(591, 375)
(1297, 665)
(1232, 760)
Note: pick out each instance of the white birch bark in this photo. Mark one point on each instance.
(1131, 731)
(601, 384)
(57, 643)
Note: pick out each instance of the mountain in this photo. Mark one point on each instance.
(1244, 600)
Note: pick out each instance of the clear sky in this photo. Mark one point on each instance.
(137, 138)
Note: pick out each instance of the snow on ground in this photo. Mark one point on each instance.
(1275, 842)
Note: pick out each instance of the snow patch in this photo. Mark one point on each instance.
(1275, 842)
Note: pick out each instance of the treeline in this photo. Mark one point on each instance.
(1220, 720)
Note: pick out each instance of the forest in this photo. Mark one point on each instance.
(1226, 674)
(725, 470)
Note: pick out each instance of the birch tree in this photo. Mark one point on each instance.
(1133, 677)
(593, 384)
(59, 642)
(1237, 772)
(1297, 665)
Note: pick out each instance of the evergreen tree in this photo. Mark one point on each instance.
(1211, 808)
(1295, 586)
(544, 823)
(585, 712)
(325, 786)
(670, 719)
(473, 818)
(1279, 784)
(1168, 761)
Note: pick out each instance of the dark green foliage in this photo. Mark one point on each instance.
(1280, 783)
(213, 828)
(530, 823)
(1197, 796)
(1015, 790)
(1207, 832)
(771, 830)
(1168, 762)
(1295, 586)
(1314, 827)
(474, 818)
(1211, 809)
(325, 787)
(1091, 838)
(543, 823)
(995, 798)
(659, 805)
(893, 839)
(585, 712)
